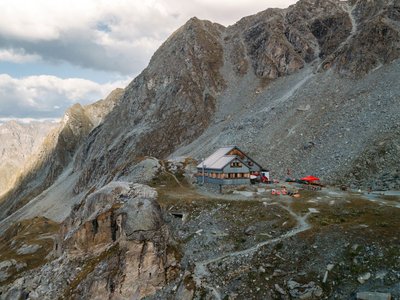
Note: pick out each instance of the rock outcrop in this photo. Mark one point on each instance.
(99, 110)
(114, 245)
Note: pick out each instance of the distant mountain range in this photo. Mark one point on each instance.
(18, 142)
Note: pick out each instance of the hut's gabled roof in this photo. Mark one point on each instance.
(220, 158)
(217, 158)
(222, 162)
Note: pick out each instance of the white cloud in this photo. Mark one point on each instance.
(225, 12)
(48, 96)
(119, 35)
(43, 19)
(17, 56)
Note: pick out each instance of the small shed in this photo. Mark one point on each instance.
(228, 166)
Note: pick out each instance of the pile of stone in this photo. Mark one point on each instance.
(304, 291)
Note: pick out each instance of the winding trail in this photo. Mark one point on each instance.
(376, 198)
(296, 87)
(201, 271)
(168, 172)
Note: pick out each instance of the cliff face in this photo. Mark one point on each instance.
(374, 39)
(354, 37)
(123, 221)
(276, 42)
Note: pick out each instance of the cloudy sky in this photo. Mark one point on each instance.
(56, 53)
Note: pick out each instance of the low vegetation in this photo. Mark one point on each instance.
(36, 236)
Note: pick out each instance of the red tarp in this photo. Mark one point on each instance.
(310, 178)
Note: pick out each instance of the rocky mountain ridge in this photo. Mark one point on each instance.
(225, 73)
(312, 88)
(262, 48)
(343, 92)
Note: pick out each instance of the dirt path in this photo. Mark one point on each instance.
(376, 198)
(201, 271)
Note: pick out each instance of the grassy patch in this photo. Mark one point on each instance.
(37, 231)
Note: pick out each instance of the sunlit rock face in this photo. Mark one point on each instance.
(19, 142)
(124, 221)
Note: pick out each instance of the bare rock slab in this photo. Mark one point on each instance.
(28, 249)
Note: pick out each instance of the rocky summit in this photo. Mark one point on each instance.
(107, 207)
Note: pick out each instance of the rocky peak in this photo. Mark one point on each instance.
(168, 104)
(97, 111)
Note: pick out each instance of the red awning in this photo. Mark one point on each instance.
(310, 178)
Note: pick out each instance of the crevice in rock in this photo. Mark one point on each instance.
(95, 226)
(113, 227)
(141, 257)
